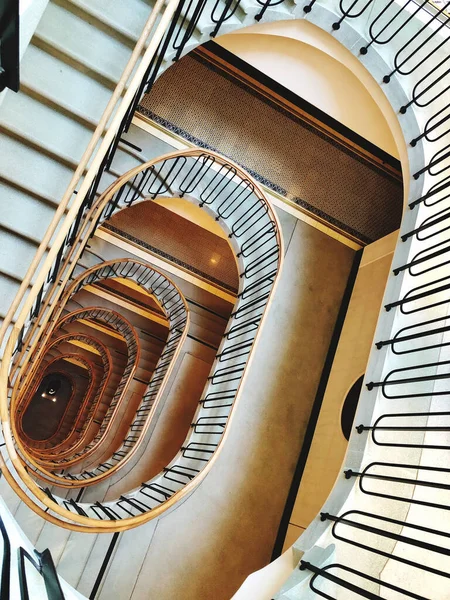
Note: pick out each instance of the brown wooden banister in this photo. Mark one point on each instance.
(44, 458)
(107, 365)
(41, 461)
(70, 259)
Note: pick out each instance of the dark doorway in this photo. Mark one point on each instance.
(349, 408)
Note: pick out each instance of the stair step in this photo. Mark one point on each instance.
(98, 52)
(44, 127)
(16, 254)
(92, 494)
(128, 558)
(76, 557)
(30, 523)
(126, 159)
(53, 537)
(30, 169)
(128, 18)
(21, 213)
(63, 85)
(9, 287)
(8, 495)
(93, 563)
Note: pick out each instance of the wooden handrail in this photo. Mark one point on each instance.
(107, 366)
(132, 331)
(64, 227)
(40, 464)
(40, 346)
(93, 527)
(22, 395)
(44, 461)
(87, 523)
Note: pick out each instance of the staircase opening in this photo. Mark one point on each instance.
(188, 238)
(49, 403)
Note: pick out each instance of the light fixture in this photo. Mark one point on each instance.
(51, 390)
(53, 387)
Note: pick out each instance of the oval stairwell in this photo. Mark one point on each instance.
(384, 531)
(224, 190)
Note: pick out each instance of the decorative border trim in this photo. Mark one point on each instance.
(266, 182)
(205, 55)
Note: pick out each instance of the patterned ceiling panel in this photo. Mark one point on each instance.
(212, 108)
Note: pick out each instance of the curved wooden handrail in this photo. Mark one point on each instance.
(40, 464)
(106, 366)
(131, 336)
(89, 225)
(135, 362)
(160, 281)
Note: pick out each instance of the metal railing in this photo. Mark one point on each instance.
(414, 57)
(346, 578)
(227, 191)
(415, 372)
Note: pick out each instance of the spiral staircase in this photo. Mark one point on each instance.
(384, 531)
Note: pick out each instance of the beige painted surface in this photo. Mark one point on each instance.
(329, 445)
(280, 202)
(313, 74)
(193, 213)
(226, 529)
(172, 426)
(379, 249)
(308, 33)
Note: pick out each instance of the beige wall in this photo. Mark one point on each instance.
(328, 449)
(193, 213)
(294, 54)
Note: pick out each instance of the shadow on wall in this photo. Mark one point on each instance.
(350, 406)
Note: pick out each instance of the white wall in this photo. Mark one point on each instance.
(30, 13)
